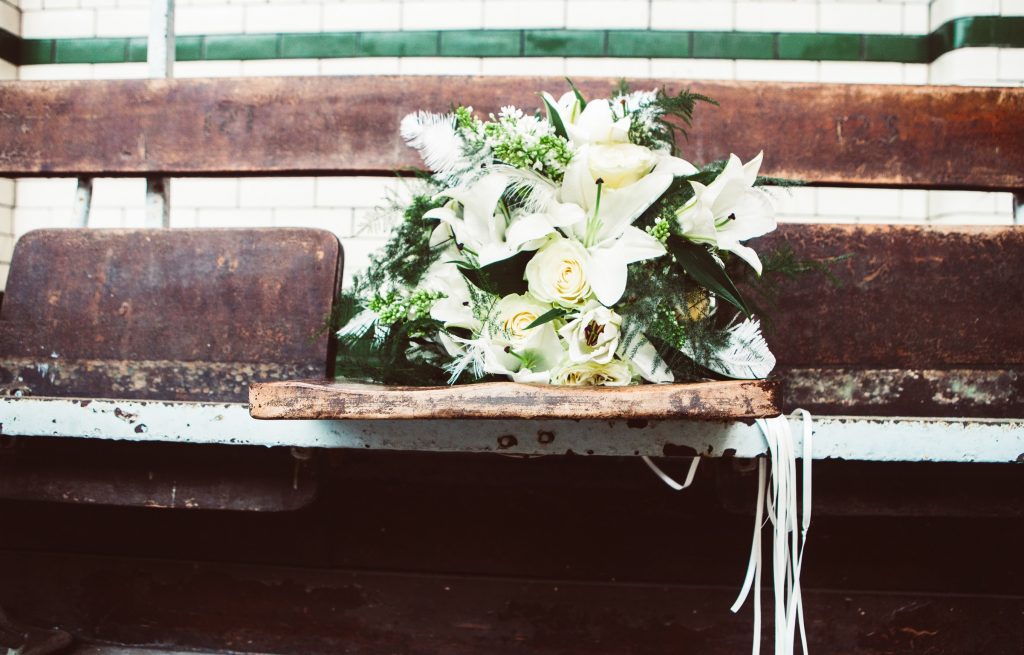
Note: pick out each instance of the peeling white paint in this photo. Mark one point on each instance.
(854, 438)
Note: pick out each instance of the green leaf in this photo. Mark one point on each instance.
(702, 267)
(547, 317)
(579, 96)
(501, 278)
(555, 119)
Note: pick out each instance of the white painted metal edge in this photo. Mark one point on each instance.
(854, 438)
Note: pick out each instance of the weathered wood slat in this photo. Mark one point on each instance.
(909, 297)
(900, 136)
(198, 605)
(183, 314)
(323, 399)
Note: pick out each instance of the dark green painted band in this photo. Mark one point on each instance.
(967, 32)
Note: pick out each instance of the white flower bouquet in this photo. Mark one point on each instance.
(570, 247)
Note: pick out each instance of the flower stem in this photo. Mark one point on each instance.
(594, 224)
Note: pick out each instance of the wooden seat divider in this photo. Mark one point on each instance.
(135, 350)
(158, 316)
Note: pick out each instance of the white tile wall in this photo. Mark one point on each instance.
(600, 67)
(360, 66)
(122, 22)
(776, 16)
(362, 15)
(943, 11)
(280, 67)
(10, 18)
(1011, 65)
(777, 71)
(442, 14)
(224, 68)
(439, 66)
(862, 17)
(694, 69)
(968, 66)
(209, 20)
(599, 14)
(1011, 7)
(862, 72)
(517, 65)
(915, 19)
(58, 23)
(672, 15)
(284, 18)
(524, 13)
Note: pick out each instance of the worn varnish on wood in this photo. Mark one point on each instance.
(169, 315)
(880, 135)
(321, 399)
(163, 315)
(921, 320)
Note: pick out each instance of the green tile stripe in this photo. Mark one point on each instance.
(975, 31)
(9, 45)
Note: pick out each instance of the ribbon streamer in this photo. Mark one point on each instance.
(668, 480)
(776, 497)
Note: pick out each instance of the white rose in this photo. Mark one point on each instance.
(516, 312)
(558, 274)
(615, 373)
(620, 164)
(593, 335)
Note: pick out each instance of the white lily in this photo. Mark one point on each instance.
(477, 221)
(454, 309)
(729, 210)
(607, 233)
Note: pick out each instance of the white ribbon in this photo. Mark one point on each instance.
(788, 542)
(669, 481)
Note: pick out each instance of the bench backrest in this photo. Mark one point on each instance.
(919, 320)
(833, 134)
(167, 314)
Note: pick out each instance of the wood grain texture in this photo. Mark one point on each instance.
(182, 314)
(909, 297)
(878, 135)
(320, 399)
(225, 606)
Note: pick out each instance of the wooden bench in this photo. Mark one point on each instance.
(915, 358)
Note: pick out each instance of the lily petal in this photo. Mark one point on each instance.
(620, 207)
(745, 253)
(607, 269)
(607, 277)
(527, 228)
(674, 166)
